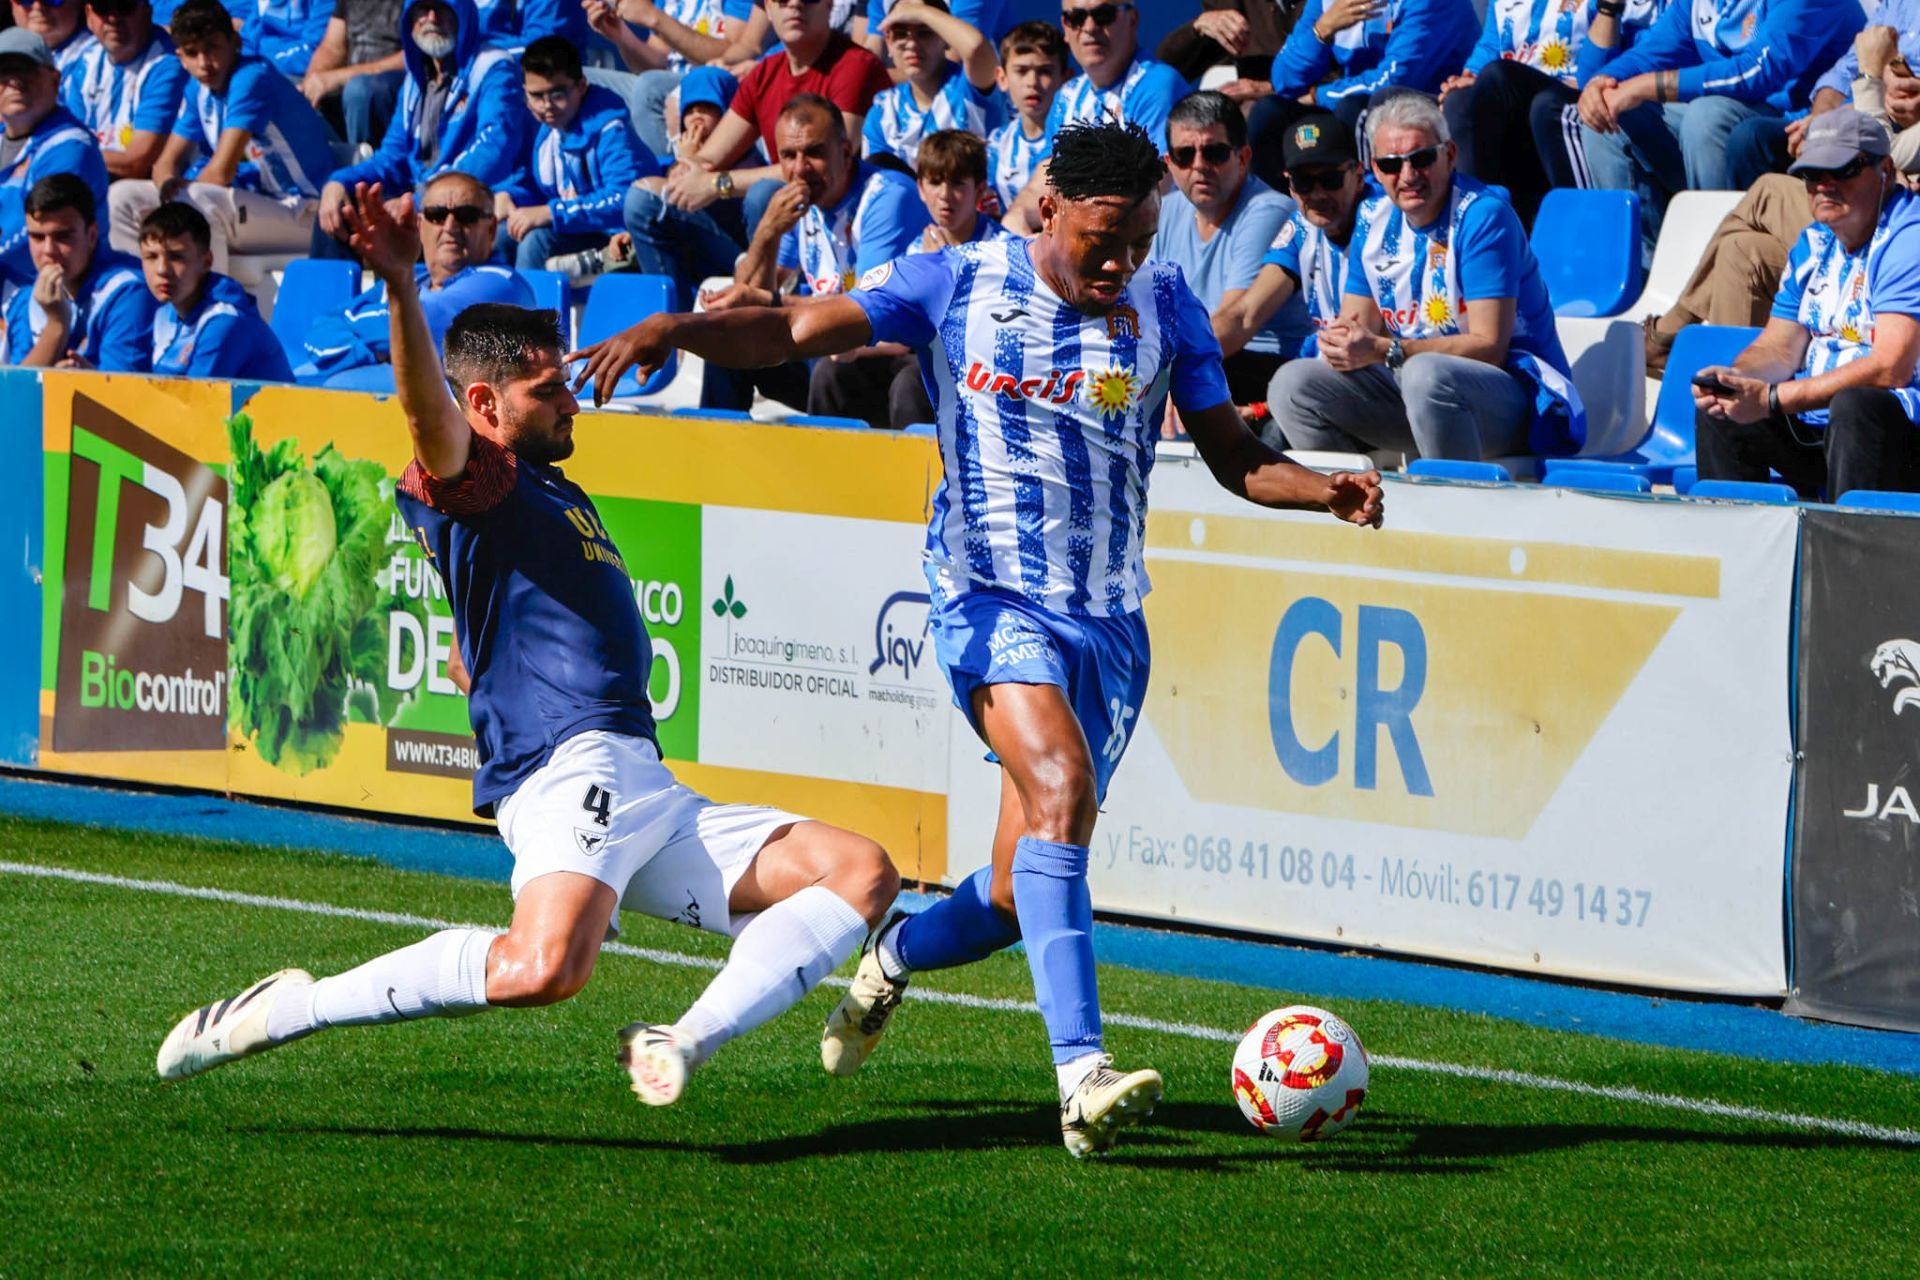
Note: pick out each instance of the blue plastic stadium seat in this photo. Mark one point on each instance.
(826, 420)
(1588, 247)
(377, 378)
(1459, 469)
(309, 288)
(695, 411)
(1879, 500)
(926, 429)
(620, 299)
(1684, 478)
(1595, 480)
(1744, 491)
(553, 291)
(1556, 466)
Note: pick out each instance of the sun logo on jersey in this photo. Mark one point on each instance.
(1115, 391)
(1123, 319)
(1851, 333)
(1438, 313)
(1554, 56)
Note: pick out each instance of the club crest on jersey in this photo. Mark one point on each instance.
(1123, 319)
(877, 276)
(1058, 387)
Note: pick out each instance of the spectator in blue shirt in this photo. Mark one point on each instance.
(514, 24)
(836, 219)
(247, 149)
(1658, 117)
(585, 156)
(457, 230)
(1828, 394)
(207, 325)
(1367, 46)
(42, 138)
(936, 94)
(1445, 345)
(60, 23)
(461, 108)
(126, 87)
(1217, 225)
(285, 33)
(89, 307)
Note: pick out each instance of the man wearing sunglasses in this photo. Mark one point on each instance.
(126, 86)
(461, 108)
(1445, 345)
(1307, 259)
(457, 227)
(247, 149)
(1829, 392)
(1368, 46)
(1217, 225)
(41, 138)
(61, 23)
(1049, 362)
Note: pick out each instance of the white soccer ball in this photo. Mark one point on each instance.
(1300, 1073)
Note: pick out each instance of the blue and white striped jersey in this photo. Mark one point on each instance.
(1047, 417)
(1144, 96)
(1012, 157)
(898, 124)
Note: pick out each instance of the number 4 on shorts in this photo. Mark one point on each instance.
(598, 803)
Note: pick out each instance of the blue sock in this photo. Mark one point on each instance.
(957, 930)
(1056, 918)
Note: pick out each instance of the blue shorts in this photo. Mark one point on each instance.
(988, 636)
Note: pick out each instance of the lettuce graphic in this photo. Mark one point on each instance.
(308, 608)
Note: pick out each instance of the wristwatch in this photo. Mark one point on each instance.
(1396, 355)
(723, 185)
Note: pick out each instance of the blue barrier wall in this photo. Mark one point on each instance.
(21, 523)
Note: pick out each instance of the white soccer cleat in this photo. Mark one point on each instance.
(1103, 1104)
(657, 1060)
(216, 1034)
(857, 1022)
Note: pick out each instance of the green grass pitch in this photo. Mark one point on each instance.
(508, 1144)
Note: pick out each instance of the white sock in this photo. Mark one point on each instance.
(890, 962)
(781, 954)
(443, 976)
(1070, 1074)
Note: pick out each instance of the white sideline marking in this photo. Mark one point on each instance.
(1520, 1079)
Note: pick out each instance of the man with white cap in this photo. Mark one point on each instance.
(1828, 393)
(41, 138)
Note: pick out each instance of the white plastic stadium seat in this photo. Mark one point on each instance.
(1609, 360)
(1684, 235)
(258, 274)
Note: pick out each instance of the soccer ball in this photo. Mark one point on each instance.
(1300, 1073)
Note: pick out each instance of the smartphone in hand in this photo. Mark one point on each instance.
(1711, 384)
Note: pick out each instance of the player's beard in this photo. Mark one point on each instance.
(544, 446)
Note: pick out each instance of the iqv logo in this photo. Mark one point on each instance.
(1374, 708)
(894, 634)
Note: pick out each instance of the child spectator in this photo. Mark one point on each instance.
(247, 149)
(1033, 66)
(585, 156)
(935, 95)
(207, 325)
(89, 308)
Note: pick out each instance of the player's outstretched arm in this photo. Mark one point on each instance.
(389, 244)
(741, 338)
(1245, 464)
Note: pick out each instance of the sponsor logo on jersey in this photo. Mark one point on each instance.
(1057, 387)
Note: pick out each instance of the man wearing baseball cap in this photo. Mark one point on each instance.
(41, 138)
(1828, 393)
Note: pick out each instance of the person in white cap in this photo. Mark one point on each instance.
(41, 138)
(1827, 395)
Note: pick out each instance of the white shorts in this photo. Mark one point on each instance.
(605, 806)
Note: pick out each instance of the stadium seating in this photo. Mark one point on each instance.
(1744, 491)
(310, 287)
(827, 420)
(1598, 480)
(1691, 219)
(377, 378)
(926, 429)
(1459, 469)
(1684, 478)
(1879, 500)
(554, 291)
(695, 411)
(620, 299)
(1588, 246)
(1609, 363)
(1669, 442)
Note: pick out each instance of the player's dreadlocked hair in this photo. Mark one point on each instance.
(1091, 160)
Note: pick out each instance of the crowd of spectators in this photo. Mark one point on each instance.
(1352, 200)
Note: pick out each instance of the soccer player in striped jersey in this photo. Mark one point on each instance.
(558, 660)
(1050, 363)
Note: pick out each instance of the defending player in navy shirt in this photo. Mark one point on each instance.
(1048, 362)
(557, 661)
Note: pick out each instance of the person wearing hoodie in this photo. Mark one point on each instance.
(459, 109)
(41, 138)
(247, 149)
(515, 24)
(585, 156)
(207, 325)
(457, 228)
